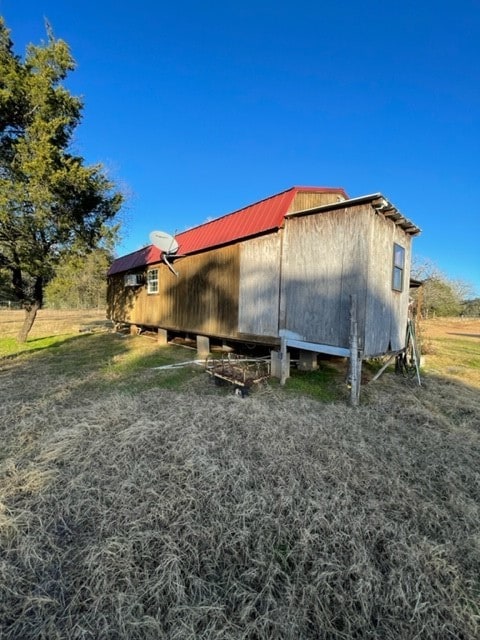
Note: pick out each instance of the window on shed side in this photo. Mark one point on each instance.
(398, 267)
(152, 281)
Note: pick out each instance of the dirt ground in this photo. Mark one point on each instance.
(135, 512)
(147, 513)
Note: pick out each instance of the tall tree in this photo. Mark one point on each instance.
(51, 204)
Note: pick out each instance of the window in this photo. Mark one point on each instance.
(152, 281)
(398, 267)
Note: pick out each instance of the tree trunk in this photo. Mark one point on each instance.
(30, 315)
(31, 309)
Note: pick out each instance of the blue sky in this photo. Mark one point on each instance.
(200, 108)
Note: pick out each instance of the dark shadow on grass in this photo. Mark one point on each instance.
(466, 335)
(38, 372)
(91, 365)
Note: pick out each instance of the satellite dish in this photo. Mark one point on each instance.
(167, 245)
(164, 241)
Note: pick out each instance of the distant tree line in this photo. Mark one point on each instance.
(80, 282)
(440, 296)
(471, 308)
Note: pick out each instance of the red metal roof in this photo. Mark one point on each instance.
(255, 219)
(140, 258)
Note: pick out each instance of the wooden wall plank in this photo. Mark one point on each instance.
(387, 309)
(308, 200)
(259, 285)
(203, 299)
(234, 290)
(325, 263)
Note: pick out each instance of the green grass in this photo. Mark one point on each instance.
(11, 347)
(323, 384)
(103, 362)
(109, 362)
(187, 515)
(455, 357)
(466, 352)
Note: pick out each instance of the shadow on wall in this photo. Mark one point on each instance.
(205, 298)
(320, 312)
(120, 299)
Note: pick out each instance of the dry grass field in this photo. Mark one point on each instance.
(453, 348)
(50, 322)
(142, 504)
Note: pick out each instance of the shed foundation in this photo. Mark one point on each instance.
(203, 346)
(308, 361)
(162, 337)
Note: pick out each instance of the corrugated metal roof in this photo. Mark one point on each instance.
(135, 260)
(260, 217)
(255, 219)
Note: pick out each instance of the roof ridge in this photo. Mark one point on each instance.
(294, 190)
(253, 219)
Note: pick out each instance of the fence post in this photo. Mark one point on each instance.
(355, 364)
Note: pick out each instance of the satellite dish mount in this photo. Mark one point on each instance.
(167, 245)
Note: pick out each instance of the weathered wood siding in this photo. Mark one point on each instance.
(386, 309)
(325, 258)
(203, 299)
(328, 257)
(259, 285)
(308, 200)
(120, 300)
(299, 279)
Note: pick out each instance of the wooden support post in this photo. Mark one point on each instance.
(285, 362)
(133, 330)
(203, 346)
(355, 363)
(379, 373)
(275, 364)
(162, 337)
(278, 365)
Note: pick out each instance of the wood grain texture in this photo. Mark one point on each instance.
(325, 260)
(386, 309)
(260, 285)
(308, 200)
(203, 299)
(299, 279)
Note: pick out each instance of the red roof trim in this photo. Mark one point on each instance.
(264, 216)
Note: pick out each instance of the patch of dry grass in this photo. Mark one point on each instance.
(190, 514)
(50, 322)
(452, 348)
(183, 515)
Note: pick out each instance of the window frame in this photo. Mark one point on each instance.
(152, 282)
(398, 267)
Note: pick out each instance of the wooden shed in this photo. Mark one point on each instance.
(280, 272)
